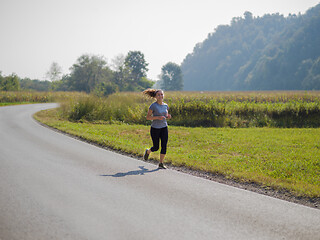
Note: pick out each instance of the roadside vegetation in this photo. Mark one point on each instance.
(27, 97)
(204, 109)
(283, 154)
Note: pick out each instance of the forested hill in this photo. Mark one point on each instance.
(272, 52)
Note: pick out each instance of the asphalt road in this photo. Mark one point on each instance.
(56, 187)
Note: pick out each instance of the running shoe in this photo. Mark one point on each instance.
(146, 155)
(162, 166)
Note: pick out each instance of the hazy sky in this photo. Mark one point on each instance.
(35, 33)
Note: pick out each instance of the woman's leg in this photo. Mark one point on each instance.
(164, 141)
(155, 136)
(162, 156)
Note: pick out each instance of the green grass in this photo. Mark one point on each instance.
(278, 158)
(13, 103)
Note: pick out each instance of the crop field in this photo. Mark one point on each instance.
(268, 138)
(205, 109)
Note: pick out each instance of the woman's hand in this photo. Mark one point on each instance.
(149, 115)
(168, 116)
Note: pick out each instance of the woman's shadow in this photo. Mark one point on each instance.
(142, 171)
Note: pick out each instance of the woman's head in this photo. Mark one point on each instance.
(154, 93)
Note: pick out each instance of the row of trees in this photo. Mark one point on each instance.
(272, 52)
(92, 74)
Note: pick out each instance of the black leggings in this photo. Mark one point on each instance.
(156, 135)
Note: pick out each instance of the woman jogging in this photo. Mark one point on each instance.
(158, 113)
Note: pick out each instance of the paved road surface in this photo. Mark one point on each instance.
(55, 187)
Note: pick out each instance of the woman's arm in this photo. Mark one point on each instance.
(168, 115)
(150, 117)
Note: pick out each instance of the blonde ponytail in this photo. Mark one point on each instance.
(151, 92)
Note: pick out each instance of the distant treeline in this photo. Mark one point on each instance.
(92, 74)
(272, 52)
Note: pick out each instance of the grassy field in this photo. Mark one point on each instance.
(278, 158)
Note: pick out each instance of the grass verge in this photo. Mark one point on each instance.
(283, 159)
(14, 103)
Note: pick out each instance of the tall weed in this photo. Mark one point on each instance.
(209, 109)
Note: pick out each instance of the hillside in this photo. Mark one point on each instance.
(272, 52)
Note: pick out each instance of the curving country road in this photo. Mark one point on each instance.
(56, 187)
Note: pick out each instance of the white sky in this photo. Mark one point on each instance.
(35, 33)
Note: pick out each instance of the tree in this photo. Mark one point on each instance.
(136, 65)
(54, 73)
(9, 83)
(248, 16)
(88, 72)
(312, 80)
(171, 77)
(131, 72)
(121, 72)
(35, 84)
(105, 89)
(118, 62)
